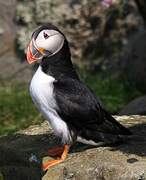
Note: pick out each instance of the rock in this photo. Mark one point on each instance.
(136, 61)
(122, 162)
(94, 32)
(11, 69)
(7, 26)
(17, 150)
(137, 106)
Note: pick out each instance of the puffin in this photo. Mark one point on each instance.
(68, 104)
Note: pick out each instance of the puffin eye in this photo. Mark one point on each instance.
(45, 35)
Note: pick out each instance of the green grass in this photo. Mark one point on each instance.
(18, 112)
(16, 109)
(113, 93)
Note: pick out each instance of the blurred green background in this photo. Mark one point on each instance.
(107, 45)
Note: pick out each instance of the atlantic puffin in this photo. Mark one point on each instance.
(71, 108)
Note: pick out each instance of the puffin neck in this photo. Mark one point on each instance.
(59, 65)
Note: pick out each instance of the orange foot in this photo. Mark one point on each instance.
(55, 151)
(51, 163)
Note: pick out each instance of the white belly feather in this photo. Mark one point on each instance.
(41, 91)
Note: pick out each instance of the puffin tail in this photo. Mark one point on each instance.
(121, 130)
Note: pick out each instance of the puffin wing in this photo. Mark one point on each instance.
(79, 107)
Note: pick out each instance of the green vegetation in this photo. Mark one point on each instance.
(17, 110)
(114, 93)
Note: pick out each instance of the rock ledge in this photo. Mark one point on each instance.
(122, 162)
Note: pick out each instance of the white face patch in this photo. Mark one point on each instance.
(50, 40)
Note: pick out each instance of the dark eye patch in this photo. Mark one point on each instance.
(45, 35)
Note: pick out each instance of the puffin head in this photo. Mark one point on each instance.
(47, 40)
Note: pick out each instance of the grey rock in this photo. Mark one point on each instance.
(7, 26)
(137, 107)
(136, 61)
(122, 162)
(11, 69)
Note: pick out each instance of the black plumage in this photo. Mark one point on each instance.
(78, 105)
(81, 110)
(71, 107)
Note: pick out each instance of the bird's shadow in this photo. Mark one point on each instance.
(136, 144)
(21, 155)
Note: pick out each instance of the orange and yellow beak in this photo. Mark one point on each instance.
(34, 53)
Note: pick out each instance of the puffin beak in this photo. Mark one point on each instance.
(30, 57)
(33, 53)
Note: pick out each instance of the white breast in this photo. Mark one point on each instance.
(41, 91)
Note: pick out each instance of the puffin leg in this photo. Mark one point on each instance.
(55, 151)
(51, 163)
